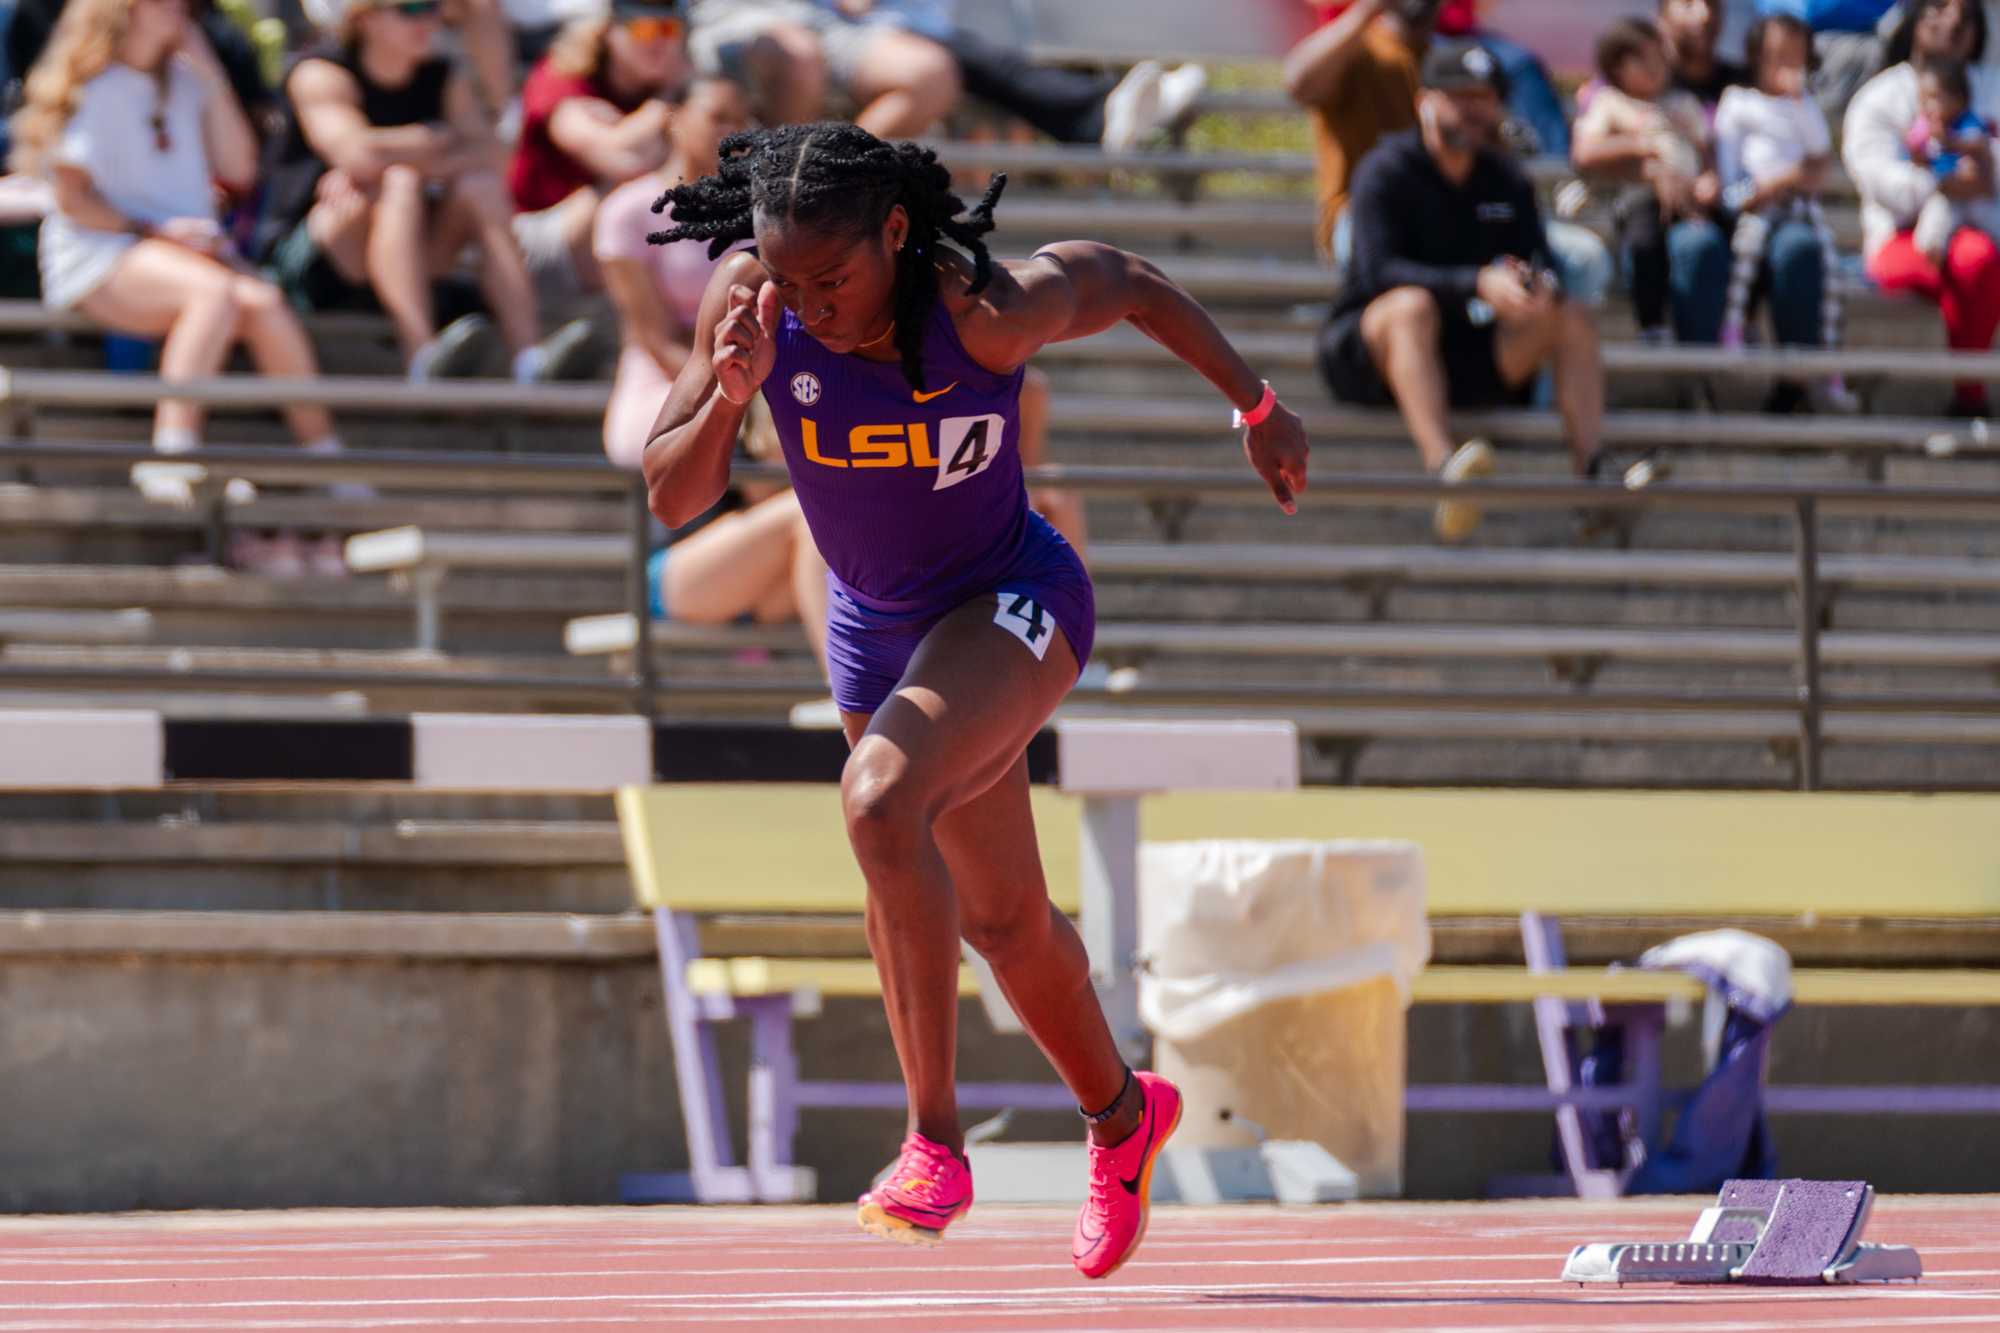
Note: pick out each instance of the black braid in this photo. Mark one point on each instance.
(842, 177)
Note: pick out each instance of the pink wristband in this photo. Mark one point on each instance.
(1255, 416)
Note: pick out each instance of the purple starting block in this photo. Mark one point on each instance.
(1764, 1232)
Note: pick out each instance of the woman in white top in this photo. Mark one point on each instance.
(1894, 189)
(129, 115)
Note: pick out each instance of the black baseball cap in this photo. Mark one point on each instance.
(1454, 66)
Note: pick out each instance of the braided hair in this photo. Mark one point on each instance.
(840, 177)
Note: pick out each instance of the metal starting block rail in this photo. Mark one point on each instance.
(1763, 1232)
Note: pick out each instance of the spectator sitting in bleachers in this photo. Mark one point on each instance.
(388, 171)
(1068, 105)
(789, 51)
(750, 555)
(476, 33)
(131, 116)
(594, 115)
(1895, 190)
(1358, 76)
(1793, 274)
(1450, 300)
(1774, 149)
(1656, 138)
(1533, 104)
(31, 22)
(1848, 38)
(1946, 130)
(743, 561)
(657, 288)
(1691, 29)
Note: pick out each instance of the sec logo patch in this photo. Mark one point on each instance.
(805, 388)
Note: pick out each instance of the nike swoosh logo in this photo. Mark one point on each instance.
(935, 393)
(1132, 1185)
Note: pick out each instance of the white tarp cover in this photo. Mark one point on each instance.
(1227, 926)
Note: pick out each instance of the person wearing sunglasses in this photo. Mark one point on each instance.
(478, 33)
(389, 172)
(594, 115)
(130, 116)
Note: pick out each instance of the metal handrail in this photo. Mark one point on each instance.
(516, 473)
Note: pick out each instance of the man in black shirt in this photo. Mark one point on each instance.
(1451, 299)
(1691, 29)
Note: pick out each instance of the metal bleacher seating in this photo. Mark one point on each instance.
(1200, 589)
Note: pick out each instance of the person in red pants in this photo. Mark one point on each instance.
(1966, 285)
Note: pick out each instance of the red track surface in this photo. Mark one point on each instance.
(1459, 1268)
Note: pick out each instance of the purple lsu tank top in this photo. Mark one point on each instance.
(916, 500)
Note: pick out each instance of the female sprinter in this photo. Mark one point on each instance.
(958, 618)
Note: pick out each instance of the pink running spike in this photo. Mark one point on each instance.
(928, 1190)
(1113, 1220)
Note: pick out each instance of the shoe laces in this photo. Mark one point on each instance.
(921, 1167)
(1103, 1179)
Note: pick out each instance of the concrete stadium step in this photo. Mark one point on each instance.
(100, 523)
(203, 606)
(463, 866)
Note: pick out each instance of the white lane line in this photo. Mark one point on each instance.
(427, 1321)
(763, 1270)
(1281, 1293)
(1785, 1325)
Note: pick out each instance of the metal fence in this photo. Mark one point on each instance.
(1168, 492)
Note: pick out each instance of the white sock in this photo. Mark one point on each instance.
(174, 440)
(326, 446)
(528, 363)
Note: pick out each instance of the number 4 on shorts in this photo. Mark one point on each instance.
(1023, 617)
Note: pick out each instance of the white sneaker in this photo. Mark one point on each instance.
(531, 365)
(1180, 88)
(1132, 108)
(1832, 397)
(168, 483)
(1454, 520)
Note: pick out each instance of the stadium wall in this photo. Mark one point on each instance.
(167, 1078)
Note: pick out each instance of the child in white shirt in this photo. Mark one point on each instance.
(1772, 149)
(1637, 114)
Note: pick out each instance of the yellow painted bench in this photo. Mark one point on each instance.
(781, 850)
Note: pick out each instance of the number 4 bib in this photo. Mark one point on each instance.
(967, 446)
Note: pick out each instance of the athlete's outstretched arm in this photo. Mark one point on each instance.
(686, 460)
(1073, 289)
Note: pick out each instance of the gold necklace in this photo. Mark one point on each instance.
(878, 337)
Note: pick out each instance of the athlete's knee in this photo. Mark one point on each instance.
(1016, 930)
(887, 813)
